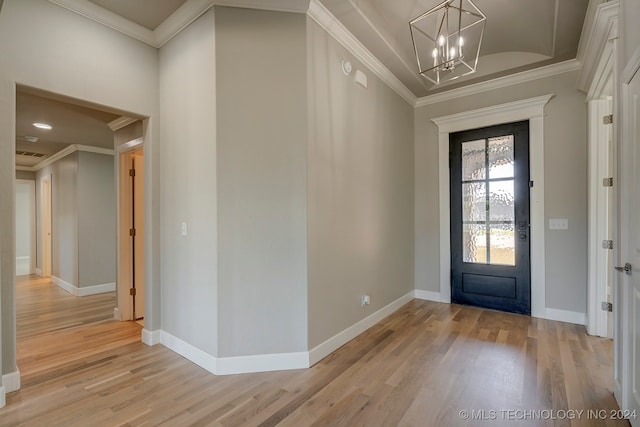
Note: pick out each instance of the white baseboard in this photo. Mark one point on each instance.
(427, 295)
(322, 350)
(190, 352)
(11, 382)
(151, 338)
(85, 290)
(565, 316)
(96, 289)
(39, 272)
(3, 397)
(262, 363)
(116, 314)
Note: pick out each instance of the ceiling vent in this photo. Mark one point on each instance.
(29, 154)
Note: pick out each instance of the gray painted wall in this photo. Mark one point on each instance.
(565, 156)
(64, 217)
(361, 210)
(96, 219)
(261, 166)
(38, 59)
(629, 29)
(23, 219)
(189, 263)
(25, 175)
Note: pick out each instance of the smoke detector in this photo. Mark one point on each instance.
(31, 138)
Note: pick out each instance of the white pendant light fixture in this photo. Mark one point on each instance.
(447, 40)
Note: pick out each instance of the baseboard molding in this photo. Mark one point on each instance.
(190, 352)
(39, 272)
(96, 289)
(322, 350)
(565, 316)
(85, 290)
(3, 398)
(262, 363)
(116, 314)
(427, 295)
(11, 382)
(151, 338)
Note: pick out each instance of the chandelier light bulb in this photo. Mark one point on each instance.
(453, 52)
(434, 53)
(461, 41)
(441, 40)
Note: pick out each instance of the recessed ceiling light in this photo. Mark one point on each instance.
(42, 126)
(29, 138)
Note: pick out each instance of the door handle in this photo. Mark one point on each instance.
(627, 269)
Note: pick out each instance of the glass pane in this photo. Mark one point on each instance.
(501, 157)
(473, 160)
(474, 243)
(501, 201)
(474, 201)
(502, 241)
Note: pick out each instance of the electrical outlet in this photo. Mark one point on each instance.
(366, 300)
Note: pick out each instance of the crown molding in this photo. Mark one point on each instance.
(594, 48)
(501, 82)
(261, 5)
(121, 122)
(181, 18)
(64, 153)
(330, 24)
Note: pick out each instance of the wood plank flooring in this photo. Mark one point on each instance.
(420, 366)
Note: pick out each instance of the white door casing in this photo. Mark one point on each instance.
(627, 315)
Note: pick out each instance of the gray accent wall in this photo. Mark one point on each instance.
(360, 191)
(262, 184)
(96, 219)
(565, 157)
(25, 175)
(123, 76)
(189, 193)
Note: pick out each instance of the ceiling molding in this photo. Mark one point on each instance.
(259, 5)
(180, 19)
(121, 122)
(594, 43)
(321, 15)
(176, 22)
(64, 153)
(109, 19)
(501, 82)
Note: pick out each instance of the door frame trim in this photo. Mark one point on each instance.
(531, 109)
(123, 310)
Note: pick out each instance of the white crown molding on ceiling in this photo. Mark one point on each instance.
(64, 153)
(594, 40)
(180, 19)
(501, 82)
(121, 122)
(319, 13)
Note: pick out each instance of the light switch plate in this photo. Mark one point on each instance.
(558, 224)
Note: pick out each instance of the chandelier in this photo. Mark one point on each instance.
(447, 39)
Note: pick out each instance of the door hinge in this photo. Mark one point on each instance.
(132, 172)
(530, 184)
(607, 306)
(607, 244)
(607, 182)
(132, 292)
(608, 119)
(132, 232)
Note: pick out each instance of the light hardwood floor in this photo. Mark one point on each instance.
(419, 367)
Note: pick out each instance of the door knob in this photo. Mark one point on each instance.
(627, 268)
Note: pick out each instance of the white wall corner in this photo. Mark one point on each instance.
(11, 382)
(151, 337)
(427, 295)
(324, 349)
(565, 316)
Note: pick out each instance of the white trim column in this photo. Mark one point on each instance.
(531, 109)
